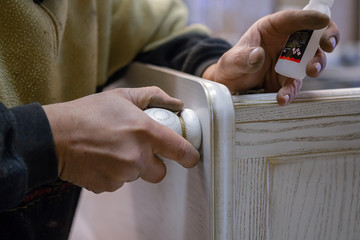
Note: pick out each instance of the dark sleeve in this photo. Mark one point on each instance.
(190, 53)
(27, 152)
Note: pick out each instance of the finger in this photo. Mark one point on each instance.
(154, 171)
(100, 189)
(290, 21)
(237, 62)
(289, 90)
(330, 38)
(167, 143)
(242, 59)
(126, 170)
(153, 97)
(99, 185)
(316, 64)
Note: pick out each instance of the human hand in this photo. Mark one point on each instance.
(104, 140)
(250, 63)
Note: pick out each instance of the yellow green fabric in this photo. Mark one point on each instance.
(63, 49)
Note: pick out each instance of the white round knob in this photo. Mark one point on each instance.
(186, 124)
(166, 118)
(192, 127)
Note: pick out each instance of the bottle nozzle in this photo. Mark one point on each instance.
(327, 2)
(330, 2)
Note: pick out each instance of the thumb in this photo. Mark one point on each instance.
(290, 21)
(242, 60)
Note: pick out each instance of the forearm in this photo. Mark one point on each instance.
(190, 53)
(27, 151)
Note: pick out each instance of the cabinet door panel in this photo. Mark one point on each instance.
(297, 168)
(314, 196)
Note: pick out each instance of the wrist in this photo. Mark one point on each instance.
(35, 144)
(209, 72)
(54, 117)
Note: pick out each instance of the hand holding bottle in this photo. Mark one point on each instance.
(250, 63)
(302, 45)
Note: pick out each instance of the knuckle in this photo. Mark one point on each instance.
(113, 186)
(96, 191)
(142, 128)
(156, 90)
(133, 163)
(133, 171)
(145, 127)
(135, 176)
(159, 178)
(153, 93)
(154, 179)
(240, 59)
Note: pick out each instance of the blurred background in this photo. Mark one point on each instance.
(229, 19)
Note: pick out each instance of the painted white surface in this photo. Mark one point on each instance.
(183, 205)
(267, 172)
(297, 167)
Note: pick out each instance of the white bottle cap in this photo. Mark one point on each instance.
(327, 2)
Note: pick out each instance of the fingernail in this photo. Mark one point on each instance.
(317, 66)
(333, 41)
(287, 98)
(253, 59)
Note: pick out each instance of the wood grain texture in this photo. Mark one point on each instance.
(315, 197)
(297, 167)
(267, 172)
(316, 104)
(189, 203)
(250, 198)
(298, 136)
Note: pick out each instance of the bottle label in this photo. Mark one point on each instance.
(296, 45)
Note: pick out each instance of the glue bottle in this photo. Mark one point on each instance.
(302, 45)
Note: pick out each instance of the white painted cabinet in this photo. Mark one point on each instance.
(267, 172)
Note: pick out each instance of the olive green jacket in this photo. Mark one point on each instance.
(63, 49)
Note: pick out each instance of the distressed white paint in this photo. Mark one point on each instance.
(297, 167)
(267, 172)
(183, 205)
(315, 196)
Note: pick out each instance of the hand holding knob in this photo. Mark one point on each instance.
(186, 123)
